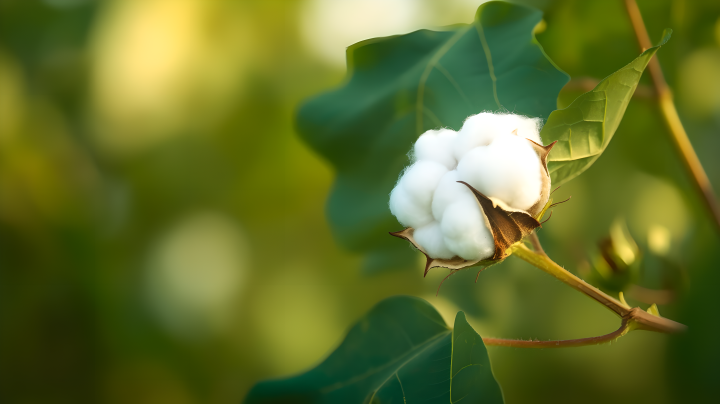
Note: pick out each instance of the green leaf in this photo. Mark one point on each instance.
(400, 352)
(584, 129)
(401, 86)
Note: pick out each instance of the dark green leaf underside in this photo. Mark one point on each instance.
(400, 352)
(584, 129)
(401, 86)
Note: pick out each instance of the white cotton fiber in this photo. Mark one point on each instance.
(465, 232)
(421, 179)
(407, 211)
(507, 169)
(430, 237)
(477, 130)
(448, 192)
(411, 200)
(529, 128)
(483, 128)
(437, 146)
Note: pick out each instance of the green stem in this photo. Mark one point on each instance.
(636, 317)
(536, 243)
(544, 262)
(672, 120)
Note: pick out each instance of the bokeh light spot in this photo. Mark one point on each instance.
(195, 274)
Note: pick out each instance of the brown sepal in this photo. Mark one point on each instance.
(454, 263)
(508, 225)
(542, 152)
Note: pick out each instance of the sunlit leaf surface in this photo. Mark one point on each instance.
(401, 86)
(584, 129)
(400, 352)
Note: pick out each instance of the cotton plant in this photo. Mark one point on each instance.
(468, 195)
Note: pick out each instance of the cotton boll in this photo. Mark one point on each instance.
(407, 211)
(465, 232)
(508, 169)
(491, 152)
(430, 238)
(448, 192)
(437, 146)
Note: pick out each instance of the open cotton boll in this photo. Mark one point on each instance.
(493, 153)
(430, 238)
(448, 192)
(411, 199)
(437, 146)
(465, 232)
(407, 210)
(507, 169)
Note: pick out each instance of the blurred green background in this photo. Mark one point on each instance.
(162, 228)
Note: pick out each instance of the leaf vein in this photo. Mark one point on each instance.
(488, 57)
(452, 402)
(401, 387)
(466, 366)
(428, 343)
(454, 83)
(426, 73)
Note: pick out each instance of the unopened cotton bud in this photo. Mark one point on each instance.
(430, 237)
(436, 145)
(508, 169)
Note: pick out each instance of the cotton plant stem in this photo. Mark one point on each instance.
(625, 327)
(543, 262)
(637, 317)
(692, 163)
(632, 318)
(536, 243)
(672, 120)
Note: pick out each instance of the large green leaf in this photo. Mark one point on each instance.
(401, 86)
(400, 352)
(584, 129)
